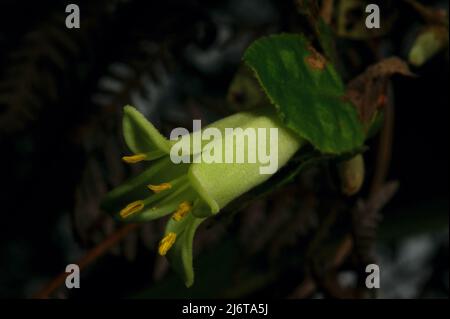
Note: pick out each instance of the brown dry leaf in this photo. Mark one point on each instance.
(367, 90)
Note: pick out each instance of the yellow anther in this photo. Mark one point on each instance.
(166, 243)
(160, 187)
(183, 209)
(134, 158)
(132, 208)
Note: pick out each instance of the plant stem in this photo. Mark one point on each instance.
(87, 259)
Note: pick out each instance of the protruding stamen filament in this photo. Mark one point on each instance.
(166, 243)
(134, 158)
(183, 209)
(132, 208)
(160, 187)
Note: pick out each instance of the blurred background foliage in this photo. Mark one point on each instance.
(61, 96)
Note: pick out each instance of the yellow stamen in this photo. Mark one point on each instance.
(183, 209)
(166, 243)
(160, 187)
(134, 158)
(132, 208)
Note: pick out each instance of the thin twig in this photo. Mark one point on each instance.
(326, 11)
(88, 258)
(384, 147)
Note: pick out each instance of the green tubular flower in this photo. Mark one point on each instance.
(190, 191)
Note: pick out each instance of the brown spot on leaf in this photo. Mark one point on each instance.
(316, 60)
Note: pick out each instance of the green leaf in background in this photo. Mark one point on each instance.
(307, 91)
(427, 44)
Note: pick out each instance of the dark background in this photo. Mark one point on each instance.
(59, 133)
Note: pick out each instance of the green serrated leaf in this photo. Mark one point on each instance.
(307, 91)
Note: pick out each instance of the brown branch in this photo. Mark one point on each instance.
(309, 285)
(88, 258)
(384, 147)
(326, 11)
(343, 251)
